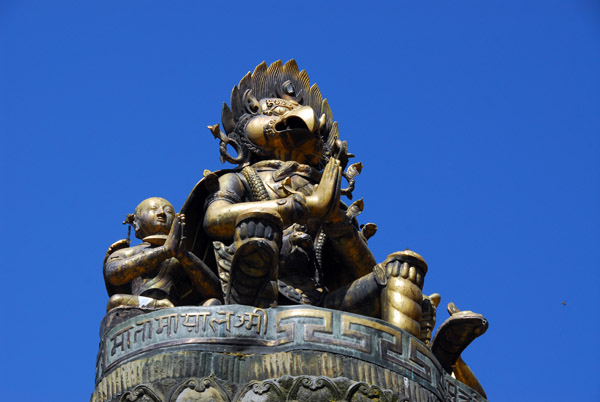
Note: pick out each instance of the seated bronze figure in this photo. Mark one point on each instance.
(281, 234)
(159, 272)
(273, 232)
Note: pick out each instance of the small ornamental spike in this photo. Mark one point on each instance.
(350, 174)
(245, 82)
(259, 81)
(227, 119)
(291, 67)
(303, 78)
(260, 69)
(368, 230)
(355, 209)
(236, 104)
(316, 98)
(273, 79)
(334, 135)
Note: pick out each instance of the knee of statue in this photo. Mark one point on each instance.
(402, 296)
(257, 243)
(266, 226)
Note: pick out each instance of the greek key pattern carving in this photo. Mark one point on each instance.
(266, 330)
(458, 392)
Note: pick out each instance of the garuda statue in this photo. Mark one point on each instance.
(275, 225)
(273, 231)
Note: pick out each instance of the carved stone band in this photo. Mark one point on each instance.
(272, 330)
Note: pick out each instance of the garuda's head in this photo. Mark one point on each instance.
(276, 114)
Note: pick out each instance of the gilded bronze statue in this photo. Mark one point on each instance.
(271, 237)
(159, 272)
(281, 233)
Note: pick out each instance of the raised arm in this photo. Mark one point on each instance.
(125, 265)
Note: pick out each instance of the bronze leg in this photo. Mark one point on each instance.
(257, 242)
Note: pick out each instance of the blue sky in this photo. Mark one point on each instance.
(478, 124)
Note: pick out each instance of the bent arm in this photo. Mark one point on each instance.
(227, 204)
(123, 266)
(220, 218)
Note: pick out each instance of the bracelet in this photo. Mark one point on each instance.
(294, 208)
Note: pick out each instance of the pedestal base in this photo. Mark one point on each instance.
(241, 353)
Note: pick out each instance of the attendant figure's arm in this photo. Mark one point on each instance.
(125, 265)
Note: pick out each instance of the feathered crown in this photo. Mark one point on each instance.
(275, 81)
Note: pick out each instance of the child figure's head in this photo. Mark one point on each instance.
(153, 216)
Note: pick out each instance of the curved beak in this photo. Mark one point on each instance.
(303, 118)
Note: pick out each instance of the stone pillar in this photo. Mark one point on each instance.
(242, 353)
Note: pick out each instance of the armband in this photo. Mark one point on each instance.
(223, 195)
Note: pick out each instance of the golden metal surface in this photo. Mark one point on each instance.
(291, 164)
(154, 273)
(402, 298)
(273, 230)
(428, 317)
(463, 373)
(264, 287)
(452, 337)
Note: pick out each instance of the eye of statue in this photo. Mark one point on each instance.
(280, 110)
(288, 88)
